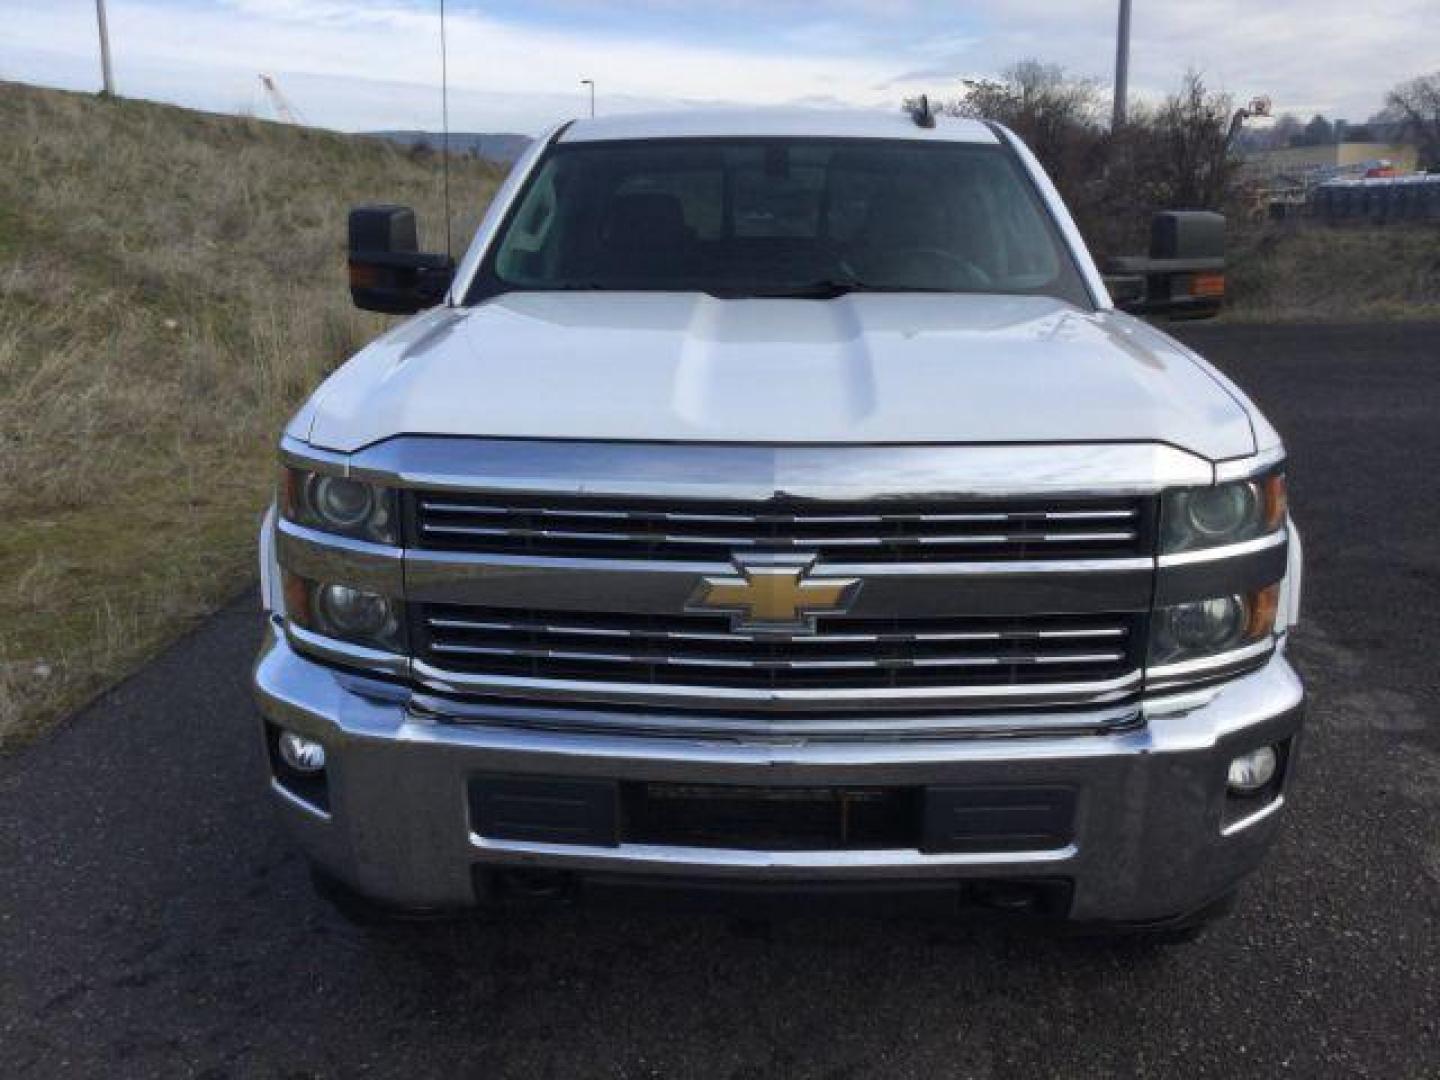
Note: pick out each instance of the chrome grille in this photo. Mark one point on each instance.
(846, 652)
(713, 530)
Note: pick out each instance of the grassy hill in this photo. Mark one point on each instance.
(1320, 274)
(171, 285)
(498, 146)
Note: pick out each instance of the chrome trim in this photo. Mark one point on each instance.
(344, 652)
(860, 727)
(828, 638)
(640, 858)
(1258, 816)
(1234, 662)
(893, 529)
(296, 801)
(1226, 551)
(882, 664)
(749, 472)
(322, 556)
(1246, 467)
(787, 518)
(298, 454)
(1241, 568)
(915, 590)
(804, 543)
(1037, 695)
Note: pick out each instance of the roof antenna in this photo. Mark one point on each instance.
(445, 128)
(921, 114)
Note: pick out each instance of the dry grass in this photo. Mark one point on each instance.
(171, 286)
(1325, 274)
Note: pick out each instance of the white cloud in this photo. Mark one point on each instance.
(1332, 56)
(375, 63)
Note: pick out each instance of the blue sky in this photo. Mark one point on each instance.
(516, 65)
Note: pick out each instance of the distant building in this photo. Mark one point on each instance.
(1302, 167)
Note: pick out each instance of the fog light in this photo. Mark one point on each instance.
(1250, 772)
(306, 756)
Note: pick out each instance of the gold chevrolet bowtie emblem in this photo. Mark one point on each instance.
(773, 594)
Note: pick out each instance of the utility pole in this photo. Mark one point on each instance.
(108, 89)
(1122, 66)
(590, 83)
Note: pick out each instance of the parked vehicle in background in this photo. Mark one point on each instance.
(1377, 199)
(779, 498)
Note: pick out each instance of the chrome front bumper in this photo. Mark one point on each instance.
(1155, 834)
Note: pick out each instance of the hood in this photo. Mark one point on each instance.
(864, 368)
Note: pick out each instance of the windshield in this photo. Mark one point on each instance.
(768, 217)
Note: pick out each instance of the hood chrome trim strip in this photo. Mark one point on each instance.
(745, 472)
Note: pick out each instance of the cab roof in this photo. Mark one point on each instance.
(776, 123)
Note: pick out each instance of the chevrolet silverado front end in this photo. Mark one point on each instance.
(779, 499)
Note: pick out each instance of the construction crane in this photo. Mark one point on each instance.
(284, 111)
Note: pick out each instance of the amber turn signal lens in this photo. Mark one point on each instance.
(1277, 501)
(289, 493)
(364, 275)
(1261, 609)
(297, 599)
(1208, 285)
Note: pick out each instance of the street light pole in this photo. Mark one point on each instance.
(1122, 66)
(108, 88)
(590, 83)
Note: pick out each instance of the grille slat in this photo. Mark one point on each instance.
(892, 531)
(820, 639)
(481, 510)
(774, 665)
(699, 649)
(1115, 536)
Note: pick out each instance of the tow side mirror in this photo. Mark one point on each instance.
(1183, 277)
(388, 272)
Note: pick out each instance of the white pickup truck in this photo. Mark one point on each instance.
(779, 499)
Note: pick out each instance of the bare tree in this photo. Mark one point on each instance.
(1174, 156)
(1057, 114)
(1414, 106)
(1190, 137)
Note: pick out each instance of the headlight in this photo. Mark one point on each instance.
(1228, 513)
(338, 504)
(349, 614)
(1219, 624)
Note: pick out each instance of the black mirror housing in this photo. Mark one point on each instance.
(1126, 290)
(1187, 234)
(1183, 277)
(388, 272)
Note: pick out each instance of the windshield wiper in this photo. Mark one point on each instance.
(823, 289)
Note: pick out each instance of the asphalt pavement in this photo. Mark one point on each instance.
(154, 921)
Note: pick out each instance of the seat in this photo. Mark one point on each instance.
(645, 236)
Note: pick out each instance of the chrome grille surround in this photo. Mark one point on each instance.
(982, 553)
